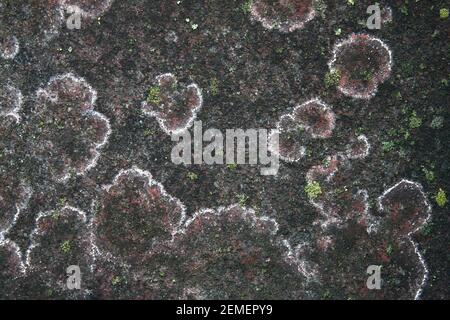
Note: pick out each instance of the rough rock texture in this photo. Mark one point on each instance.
(85, 146)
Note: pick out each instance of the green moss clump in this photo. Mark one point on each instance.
(332, 78)
(414, 121)
(214, 85)
(65, 247)
(388, 146)
(313, 190)
(429, 174)
(320, 7)
(247, 6)
(443, 13)
(437, 122)
(192, 176)
(116, 280)
(242, 198)
(441, 198)
(389, 250)
(153, 96)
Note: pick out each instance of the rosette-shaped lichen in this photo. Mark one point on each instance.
(284, 15)
(310, 120)
(11, 101)
(174, 105)
(405, 206)
(11, 269)
(34, 20)
(67, 132)
(147, 249)
(9, 46)
(406, 210)
(38, 21)
(336, 199)
(136, 215)
(351, 232)
(14, 192)
(61, 239)
(231, 253)
(363, 63)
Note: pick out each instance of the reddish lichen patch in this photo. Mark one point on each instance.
(323, 172)
(11, 268)
(11, 101)
(316, 118)
(14, 192)
(154, 279)
(230, 253)
(401, 271)
(284, 15)
(313, 118)
(34, 22)
(14, 197)
(289, 147)
(406, 207)
(337, 202)
(9, 46)
(358, 148)
(175, 106)
(68, 132)
(389, 244)
(363, 62)
(61, 238)
(136, 216)
(39, 21)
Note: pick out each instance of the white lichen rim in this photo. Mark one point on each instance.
(14, 52)
(17, 252)
(384, 76)
(361, 138)
(249, 216)
(276, 152)
(331, 219)
(419, 188)
(373, 222)
(306, 268)
(37, 232)
(194, 111)
(5, 229)
(270, 24)
(324, 107)
(97, 251)
(55, 28)
(18, 102)
(92, 14)
(324, 168)
(53, 97)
